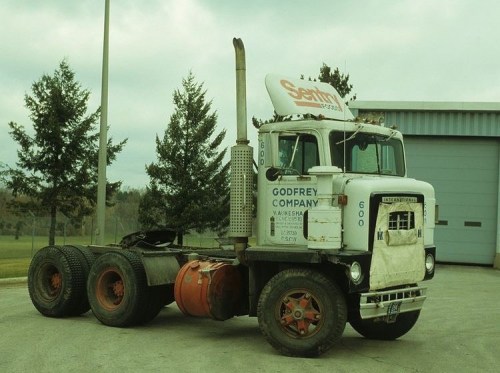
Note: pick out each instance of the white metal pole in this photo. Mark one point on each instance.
(101, 177)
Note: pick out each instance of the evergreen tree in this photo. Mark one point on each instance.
(337, 80)
(189, 184)
(57, 166)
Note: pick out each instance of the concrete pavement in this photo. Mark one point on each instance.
(458, 331)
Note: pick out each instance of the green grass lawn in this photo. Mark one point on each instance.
(14, 267)
(15, 255)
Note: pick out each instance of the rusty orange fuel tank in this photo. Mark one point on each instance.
(208, 289)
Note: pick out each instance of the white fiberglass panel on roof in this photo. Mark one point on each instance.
(297, 96)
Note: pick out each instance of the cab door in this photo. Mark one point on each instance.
(288, 188)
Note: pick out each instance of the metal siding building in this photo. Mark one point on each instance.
(454, 146)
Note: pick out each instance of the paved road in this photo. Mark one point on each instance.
(458, 331)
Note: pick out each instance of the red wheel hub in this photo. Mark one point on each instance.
(56, 282)
(300, 313)
(50, 282)
(110, 289)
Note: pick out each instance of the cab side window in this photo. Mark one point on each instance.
(298, 153)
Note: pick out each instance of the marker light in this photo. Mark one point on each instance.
(342, 199)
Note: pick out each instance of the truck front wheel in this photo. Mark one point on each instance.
(301, 312)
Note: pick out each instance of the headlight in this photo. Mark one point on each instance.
(429, 263)
(355, 272)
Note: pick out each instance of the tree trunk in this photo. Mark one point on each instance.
(180, 238)
(52, 229)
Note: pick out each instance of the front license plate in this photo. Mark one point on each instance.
(393, 311)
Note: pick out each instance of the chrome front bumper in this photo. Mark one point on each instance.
(390, 303)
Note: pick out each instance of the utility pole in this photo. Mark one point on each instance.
(101, 177)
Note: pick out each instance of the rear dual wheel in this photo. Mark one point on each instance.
(117, 288)
(301, 312)
(118, 291)
(86, 259)
(57, 280)
(68, 280)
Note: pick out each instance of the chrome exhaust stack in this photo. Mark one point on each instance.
(241, 92)
(241, 163)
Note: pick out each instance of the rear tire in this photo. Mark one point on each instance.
(168, 294)
(117, 289)
(301, 312)
(158, 297)
(87, 259)
(56, 282)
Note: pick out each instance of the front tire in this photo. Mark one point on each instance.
(301, 312)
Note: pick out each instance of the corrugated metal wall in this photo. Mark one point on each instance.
(464, 173)
(451, 124)
(445, 123)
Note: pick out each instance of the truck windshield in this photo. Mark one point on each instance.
(367, 153)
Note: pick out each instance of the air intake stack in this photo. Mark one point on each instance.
(241, 162)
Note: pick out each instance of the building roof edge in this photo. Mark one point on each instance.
(424, 106)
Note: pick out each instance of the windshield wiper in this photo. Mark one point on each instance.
(378, 155)
(294, 151)
(350, 137)
(393, 133)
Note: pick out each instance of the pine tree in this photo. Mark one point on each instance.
(337, 80)
(57, 166)
(189, 183)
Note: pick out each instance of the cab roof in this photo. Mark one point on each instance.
(328, 125)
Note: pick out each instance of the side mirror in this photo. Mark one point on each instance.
(273, 173)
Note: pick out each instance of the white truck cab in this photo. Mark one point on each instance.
(374, 207)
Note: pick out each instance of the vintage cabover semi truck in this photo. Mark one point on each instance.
(342, 236)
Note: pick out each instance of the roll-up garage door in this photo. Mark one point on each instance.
(464, 173)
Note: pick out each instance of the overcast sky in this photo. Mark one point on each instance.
(407, 50)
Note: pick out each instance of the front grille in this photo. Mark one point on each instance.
(401, 220)
(393, 295)
(398, 220)
(381, 303)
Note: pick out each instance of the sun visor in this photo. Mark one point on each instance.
(297, 96)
